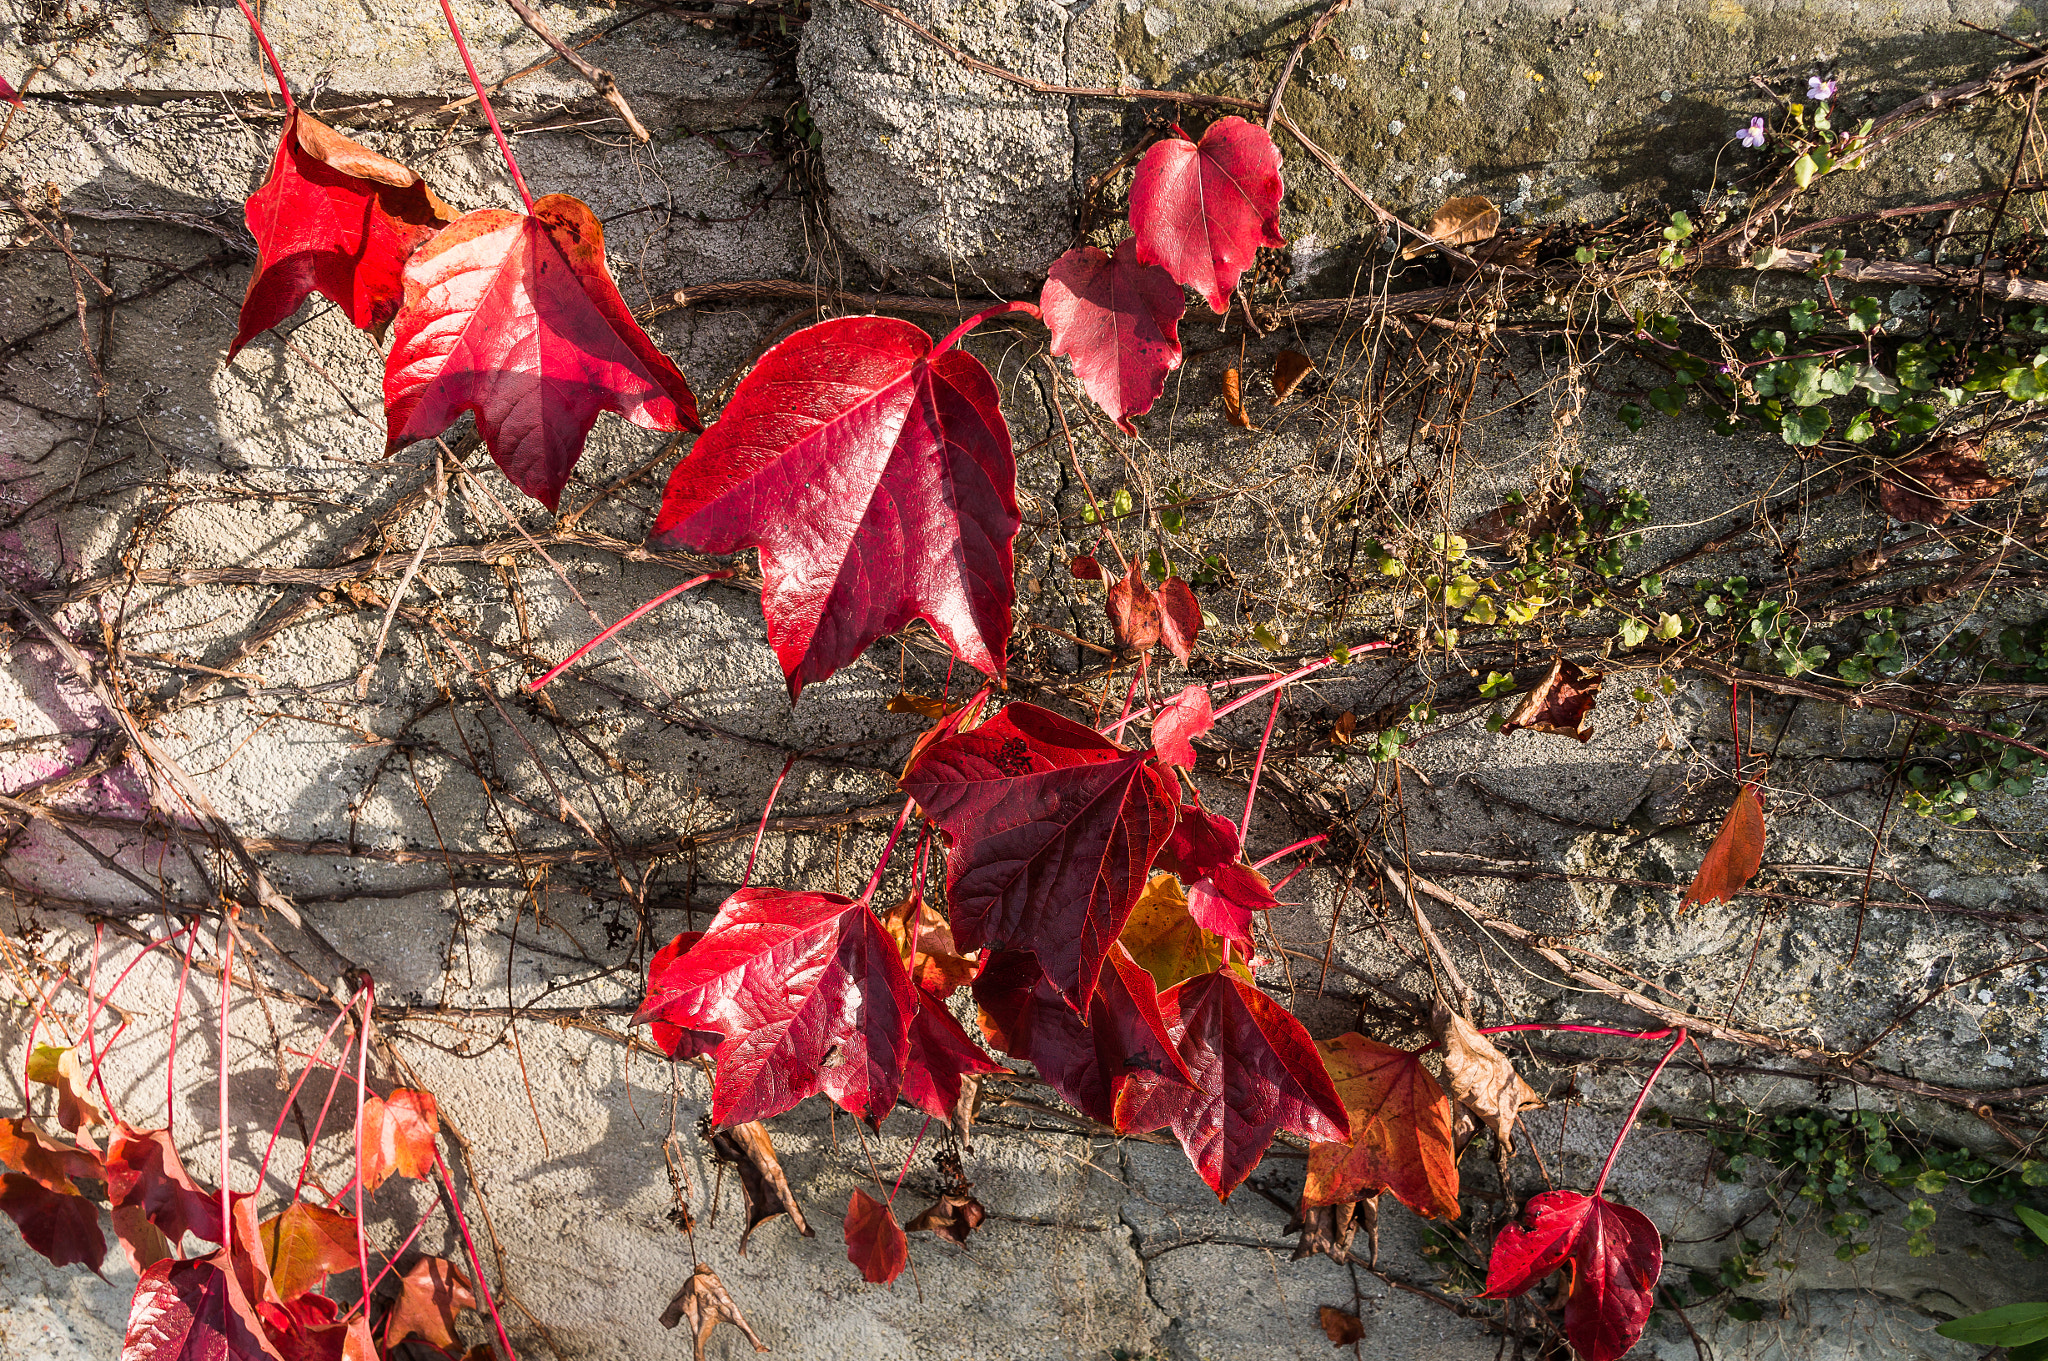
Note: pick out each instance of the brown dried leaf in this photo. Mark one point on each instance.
(1512, 525)
(1480, 1076)
(926, 940)
(1343, 729)
(706, 1303)
(1736, 855)
(1233, 400)
(1289, 368)
(1342, 1327)
(952, 1218)
(1460, 222)
(749, 1148)
(1329, 1229)
(1943, 478)
(1562, 703)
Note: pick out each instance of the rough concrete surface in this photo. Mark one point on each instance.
(453, 848)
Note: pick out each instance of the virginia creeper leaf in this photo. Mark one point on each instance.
(677, 1041)
(1053, 828)
(926, 941)
(1182, 719)
(10, 94)
(1200, 842)
(676, 1006)
(1224, 899)
(1399, 1132)
(1133, 609)
(1330, 1229)
(193, 1311)
(811, 995)
(304, 1245)
(62, 1225)
(1460, 222)
(1115, 319)
(1089, 1065)
(311, 1331)
(1561, 703)
(397, 1136)
(1615, 1257)
(1480, 1076)
(65, 1070)
(874, 474)
(941, 1056)
(1289, 368)
(144, 1171)
(1180, 618)
(516, 318)
(706, 1303)
(429, 1297)
(749, 1148)
(334, 218)
(1165, 940)
(1736, 855)
(142, 1242)
(874, 1240)
(1202, 210)
(25, 1148)
(1256, 1073)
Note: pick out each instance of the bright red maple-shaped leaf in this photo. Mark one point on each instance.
(1224, 899)
(1182, 719)
(397, 1135)
(941, 1055)
(1736, 855)
(678, 1041)
(1115, 319)
(1053, 830)
(429, 1297)
(1614, 1256)
(63, 1226)
(515, 317)
(873, 471)
(1399, 1134)
(794, 980)
(304, 1245)
(1256, 1073)
(1202, 210)
(144, 1171)
(334, 218)
(1088, 1064)
(193, 1311)
(1201, 841)
(875, 1242)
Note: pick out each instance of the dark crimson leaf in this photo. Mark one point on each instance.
(10, 94)
(1182, 719)
(1614, 1254)
(676, 1041)
(1200, 842)
(874, 473)
(749, 1148)
(1399, 1133)
(304, 1245)
(1053, 829)
(144, 1170)
(1256, 1073)
(1085, 568)
(874, 1240)
(1133, 609)
(1024, 1015)
(25, 1148)
(193, 1311)
(812, 996)
(311, 1332)
(397, 1135)
(941, 1056)
(1736, 855)
(1562, 702)
(63, 1226)
(1115, 319)
(515, 317)
(1202, 210)
(1180, 618)
(334, 218)
(429, 1297)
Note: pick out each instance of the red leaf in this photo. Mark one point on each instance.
(516, 319)
(1200, 842)
(812, 995)
(874, 1240)
(941, 1054)
(10, 94)
(1115, 320)
(1182, 719)
(1085, 568)
(1133, 610)
(144, 1170)
(311, 1333)
(304, 1245)
(63, 1226)
(677, 1041)
(429, 1297)
(193, 1311)
(1735, 856)
(1224, 899)
(875, 476)
(1088, 1064)
(1203, 210)
(1053, 828)
(25, 1148)
(142, 1242)
(1180, 618)
(1399, 1132)
(397, 1135)
(334, 218)
(1615, 1257)
(1256, 1073)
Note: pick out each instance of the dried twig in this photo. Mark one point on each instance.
(600, 80)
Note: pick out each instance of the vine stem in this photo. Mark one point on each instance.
(659, 600)
(1244, 829)
(368, 994)
(1633, 1111)
(914, 1144)
(468, 1244)
(490, 115)
(227, 980)
(1578, 1029)
(290, 1102)
(868, 895)
(747, 874)
(263, 41)
(1305, 841)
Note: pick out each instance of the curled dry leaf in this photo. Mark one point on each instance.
(1460, 222)
(1481, 1077)
(1561, 703)
(1941, 479)
(748, 1148)
(935, 962)
(1133, 610)
(1180, 618)
(952, 1218)
(1400, 1132)
(1736, 855)
(1341, 1326)
(397, 1136)
(1182, 719)
(922, 705)
(1289, 368)
(706, 1303)
(429, 1296)
(1233, 400)
(874, 1240)
(1330, 1229)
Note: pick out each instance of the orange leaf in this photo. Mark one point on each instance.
(305, 1244)
(1233, 400)
(1289, 368)
(1342, 1328)
(1134, 610)
(1164, 938)
(926, 940)
(1400, 1132)
(25, 1148)
(1460, 222)
(397, 1136)
(428, 1299)
(1735, 856)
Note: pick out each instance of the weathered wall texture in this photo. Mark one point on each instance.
(152, 122)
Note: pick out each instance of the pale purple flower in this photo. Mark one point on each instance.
(1819, 90)
(1753, 135)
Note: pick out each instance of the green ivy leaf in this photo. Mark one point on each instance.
(1804, 428)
